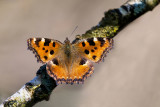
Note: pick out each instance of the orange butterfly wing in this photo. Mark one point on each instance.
(74, 72)
(80, 70)
(44, 49)
(50, 51)
(84, 53)
(57, 69)
(77, 74)
(94, 49)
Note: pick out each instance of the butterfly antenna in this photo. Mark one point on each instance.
(73, 31)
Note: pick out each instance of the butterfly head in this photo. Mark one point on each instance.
(67, 41)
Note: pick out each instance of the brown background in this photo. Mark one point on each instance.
(129, 77)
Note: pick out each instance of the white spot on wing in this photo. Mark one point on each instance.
(43, 39)
(34, 39)
(86, 63)
(51, 62)
(104, 39)
(94, 39)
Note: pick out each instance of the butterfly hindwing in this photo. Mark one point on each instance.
(95, 48)
(45, 49)
(78, 71)
(81, 68)
(56, 69)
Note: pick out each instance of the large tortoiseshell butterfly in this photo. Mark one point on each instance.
(70, 62)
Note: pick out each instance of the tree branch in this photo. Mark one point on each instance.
(114, 21)
(33, 91)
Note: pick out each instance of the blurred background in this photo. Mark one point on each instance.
(129, 77)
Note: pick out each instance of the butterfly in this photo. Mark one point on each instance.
(70, 62)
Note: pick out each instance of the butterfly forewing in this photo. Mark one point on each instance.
(45, 49)
(94, 49)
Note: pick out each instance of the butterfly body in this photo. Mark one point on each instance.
(70, 62)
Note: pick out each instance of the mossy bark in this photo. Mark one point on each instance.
(115, 20)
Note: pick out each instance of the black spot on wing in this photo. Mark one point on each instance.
(101, 40)
(45, 57)
(47, 41)
(52, 52)
(83, 61)
(55, 61)
(43, 48)
(95, 48)
(91, 42)
(94, 57)
(37, 41)
(83, 44)
(46, 51)
(92, 50)
(54, 44)
(86, 51)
